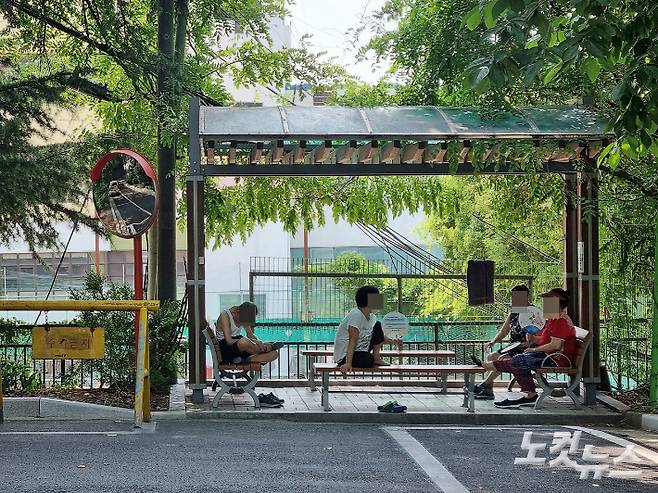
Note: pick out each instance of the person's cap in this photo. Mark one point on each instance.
(556, 293)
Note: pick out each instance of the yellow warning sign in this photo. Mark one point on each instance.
(68, 342)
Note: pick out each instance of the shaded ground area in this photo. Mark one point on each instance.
(106, 397)
(364, 398)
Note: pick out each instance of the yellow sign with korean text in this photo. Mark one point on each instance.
(68, 343)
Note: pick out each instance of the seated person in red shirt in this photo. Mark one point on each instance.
(558, 336)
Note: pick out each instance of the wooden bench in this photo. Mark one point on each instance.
(312, 354)
(551, 388)
(231, 378)
(469, 372)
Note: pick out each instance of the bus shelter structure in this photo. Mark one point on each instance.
(340, 141)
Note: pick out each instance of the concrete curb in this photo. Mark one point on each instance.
(640, 421)
(46, 407)
(412, 417)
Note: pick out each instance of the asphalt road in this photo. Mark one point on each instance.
(133, 206)
(278, 456)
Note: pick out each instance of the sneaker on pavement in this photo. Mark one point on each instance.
(476, 389)
(508, 403)
(274, 396)
(528, 401)
(485, 393)
(268, 401)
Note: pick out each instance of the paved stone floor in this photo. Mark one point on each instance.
(352, 399)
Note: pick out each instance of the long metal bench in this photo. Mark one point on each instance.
(469, 372)
(313, 354)
(557, 388)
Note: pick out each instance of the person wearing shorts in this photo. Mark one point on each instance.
(515, 326)
(360, 336)
(554, 346)
(238, 349)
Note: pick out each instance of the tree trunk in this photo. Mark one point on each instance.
(166, 157)
(152, 288)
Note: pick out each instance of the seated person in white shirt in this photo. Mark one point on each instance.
(360, 336)
(524, 319)
(238, 349)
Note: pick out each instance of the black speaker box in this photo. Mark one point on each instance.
(480, 282)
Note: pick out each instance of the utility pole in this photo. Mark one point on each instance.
(653, 382)
(166, 269)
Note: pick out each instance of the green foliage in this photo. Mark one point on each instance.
(41, 183)
(301, 202)
(614, 39)
(18, 376)
(118, 367)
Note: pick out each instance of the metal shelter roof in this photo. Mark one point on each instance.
(391, 123)
(401, 140)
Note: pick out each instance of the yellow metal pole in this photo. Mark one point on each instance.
(2, 415)
(147, 367)
(141, 371)
(80, 305)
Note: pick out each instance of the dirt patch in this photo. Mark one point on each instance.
(105, 397)
(637, 399)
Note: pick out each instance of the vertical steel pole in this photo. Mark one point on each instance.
(570, 281)
(588, 279)
(196, 259)
(142, 384)
(138, 281)
(653, 381)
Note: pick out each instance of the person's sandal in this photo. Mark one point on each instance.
(387, 407)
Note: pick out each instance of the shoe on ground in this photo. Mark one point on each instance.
(268, 401)
(387, 408)
(485, 393)
(274, 396)
(528, 401)
(476, 389)
(514, 403)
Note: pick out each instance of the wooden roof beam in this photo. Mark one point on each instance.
(296, 154)
(413, 153)
(367, 152)
(390, 152)
(345, 152)
(232, 151)
(210, 152)
(276, 151)
(256, 153)
(322, 152)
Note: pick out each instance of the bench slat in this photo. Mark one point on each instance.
(332, 367)
(437, 353)
(242, 367)
(559, 369)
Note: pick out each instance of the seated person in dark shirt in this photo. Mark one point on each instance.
(558, 336)
(526, 314)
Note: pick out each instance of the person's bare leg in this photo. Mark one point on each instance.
(247, 346)
(377, 359)
(264, 357)
(493, 375)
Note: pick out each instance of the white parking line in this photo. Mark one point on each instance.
(436, 471)
(649, 454)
